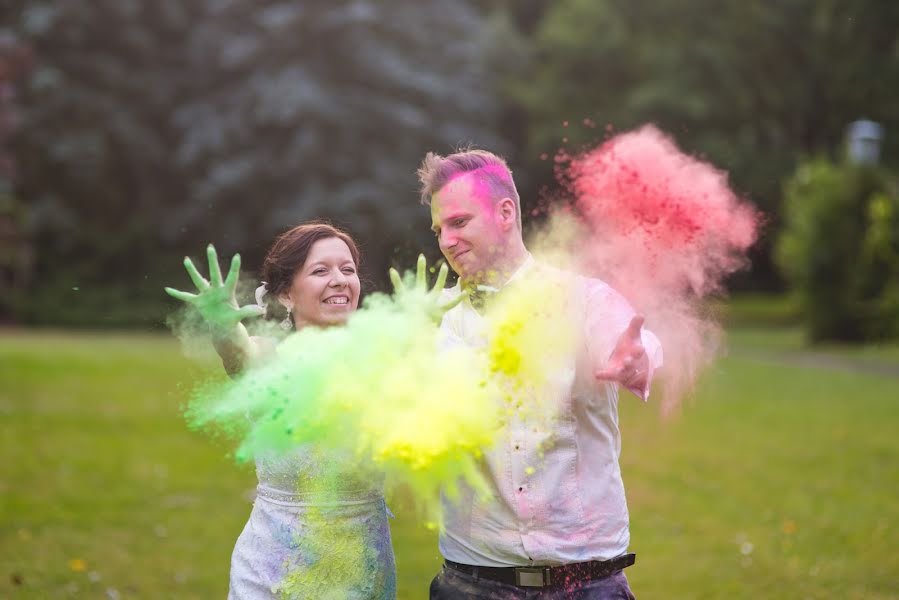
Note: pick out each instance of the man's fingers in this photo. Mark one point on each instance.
(215, 273)
(195, 276)
(441, 278)
(421, 273)
(179, 295)
(608, 375)
(633, 329)
(397, 281)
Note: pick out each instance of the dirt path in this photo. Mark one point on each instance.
(818, 360)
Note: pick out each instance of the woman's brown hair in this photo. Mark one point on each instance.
(288, 254)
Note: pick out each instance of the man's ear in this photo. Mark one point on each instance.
(508, 213)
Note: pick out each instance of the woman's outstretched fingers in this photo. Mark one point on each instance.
(215, 273)
(233, 273)
(195, 276)
(179, 295)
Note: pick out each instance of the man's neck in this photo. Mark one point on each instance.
(498, 274)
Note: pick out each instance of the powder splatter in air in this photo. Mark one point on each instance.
(665, 229)
(377, 388)
(532, 336)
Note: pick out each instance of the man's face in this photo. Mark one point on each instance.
(465, 221)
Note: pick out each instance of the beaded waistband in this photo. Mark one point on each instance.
(337, 498)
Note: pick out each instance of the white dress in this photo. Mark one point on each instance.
(318, 530)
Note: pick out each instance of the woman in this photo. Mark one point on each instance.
(318, 528)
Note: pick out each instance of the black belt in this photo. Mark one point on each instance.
(548, 576)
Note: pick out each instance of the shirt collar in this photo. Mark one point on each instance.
(522, 270)
(519, 273)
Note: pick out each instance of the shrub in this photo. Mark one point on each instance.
(839, 249)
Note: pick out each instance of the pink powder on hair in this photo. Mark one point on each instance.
(485, 181)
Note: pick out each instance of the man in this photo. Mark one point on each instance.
(559, 530)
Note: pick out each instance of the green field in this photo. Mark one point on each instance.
(777, 480)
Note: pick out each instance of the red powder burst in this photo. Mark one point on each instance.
(665, 229)
(673, 214)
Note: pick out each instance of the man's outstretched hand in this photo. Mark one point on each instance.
(435, 308)
(628, 366)
(215, 299)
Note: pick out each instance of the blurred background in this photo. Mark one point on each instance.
(134, 132)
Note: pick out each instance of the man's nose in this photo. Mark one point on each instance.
(447, 241)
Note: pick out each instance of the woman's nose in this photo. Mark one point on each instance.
(338, 279)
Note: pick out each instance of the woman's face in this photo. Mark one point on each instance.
(326, 288)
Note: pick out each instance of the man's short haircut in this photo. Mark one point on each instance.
(490, 170)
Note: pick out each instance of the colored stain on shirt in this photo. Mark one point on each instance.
(531, 337)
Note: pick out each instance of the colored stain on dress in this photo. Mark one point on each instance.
(335, 558)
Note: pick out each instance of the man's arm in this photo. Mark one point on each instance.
(622, 351)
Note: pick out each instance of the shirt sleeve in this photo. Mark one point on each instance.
(608, 314)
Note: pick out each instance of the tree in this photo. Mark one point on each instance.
(323, 109)
(751, 86)
(154, 127)
(93, 155)
(16, 252)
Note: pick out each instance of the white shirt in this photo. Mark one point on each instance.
(558, 496)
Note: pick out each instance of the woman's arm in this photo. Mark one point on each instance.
(216, 301)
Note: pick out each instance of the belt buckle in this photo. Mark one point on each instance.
(533, 576)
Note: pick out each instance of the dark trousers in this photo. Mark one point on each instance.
(454, 585)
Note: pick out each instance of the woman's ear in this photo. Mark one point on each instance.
(286, 302)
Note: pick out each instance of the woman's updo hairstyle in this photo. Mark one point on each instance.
(288, 254)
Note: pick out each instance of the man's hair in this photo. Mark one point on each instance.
(490, 170)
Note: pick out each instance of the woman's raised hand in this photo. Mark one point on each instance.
(215, 299)
(433, 305)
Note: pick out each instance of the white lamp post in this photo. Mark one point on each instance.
(863, 141)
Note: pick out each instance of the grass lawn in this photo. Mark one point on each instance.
(773, 482)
